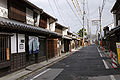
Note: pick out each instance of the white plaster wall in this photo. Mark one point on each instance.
(48, 26)
(111, 26)
(29, 16)
(21, 37)
(65, 32)
(52, 26)
(114, 15)
(62, 46)
(3, 8)
(38, 20)
(13, 44)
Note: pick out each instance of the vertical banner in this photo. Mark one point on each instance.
(8, 54)
(118, 51)
(33, 45)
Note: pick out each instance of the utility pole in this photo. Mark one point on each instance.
(87, 26)
(100, 14)
(83, 19)
(88, 29)
(97, 33)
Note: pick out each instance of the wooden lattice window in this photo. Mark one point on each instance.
(43, 22)
(4, 48)
(17, 10)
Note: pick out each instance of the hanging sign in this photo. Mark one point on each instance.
(118, 51)
(95, 22)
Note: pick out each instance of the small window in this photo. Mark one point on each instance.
(35, 17)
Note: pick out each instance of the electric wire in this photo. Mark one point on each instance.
(59, 12)
(51, 8)
(75, 8)
(68, 13)
(79, 7)
(74, 12)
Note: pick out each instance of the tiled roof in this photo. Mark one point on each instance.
(15, 25)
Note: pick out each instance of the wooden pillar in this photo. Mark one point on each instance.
(17, 42)
(46, 49)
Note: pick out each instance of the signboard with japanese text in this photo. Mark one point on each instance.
(95, 22)
(118, 51)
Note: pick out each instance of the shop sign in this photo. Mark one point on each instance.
(118, 51)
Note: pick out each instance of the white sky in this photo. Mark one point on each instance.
(68, 17)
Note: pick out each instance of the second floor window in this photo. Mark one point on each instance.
(17, 10)
(43, 21)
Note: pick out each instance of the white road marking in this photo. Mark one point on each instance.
(106, 66)
(101, 55)
(40, 74)
(99, 52)
(112, 77)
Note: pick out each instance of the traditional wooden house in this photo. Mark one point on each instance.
(113, 35)
(74, 41)
(48, 22)
(59, 29)
(24, 38)
(66, 41)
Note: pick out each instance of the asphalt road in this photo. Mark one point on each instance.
(85, 64)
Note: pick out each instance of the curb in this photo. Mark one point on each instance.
(49, 64)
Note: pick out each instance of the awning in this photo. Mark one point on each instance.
(15, 25)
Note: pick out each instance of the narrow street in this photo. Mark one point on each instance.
(59, 39)
(85, 64)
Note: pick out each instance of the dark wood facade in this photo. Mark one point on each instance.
(43, 21)
(58, 30)
(10, 62)
(66, 45)
(5, 53)
(17, 10)
(52, 48)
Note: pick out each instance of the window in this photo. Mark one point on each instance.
(4, 48)
(35, 17)
(17, 10)
(43, 22)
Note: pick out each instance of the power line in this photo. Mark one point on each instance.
(79, 7)
(51, 8)
(83, 19)
(68, 14)
(73, 12)
(59, 12)
(88, 20)
(75, 7)
(100, 16)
